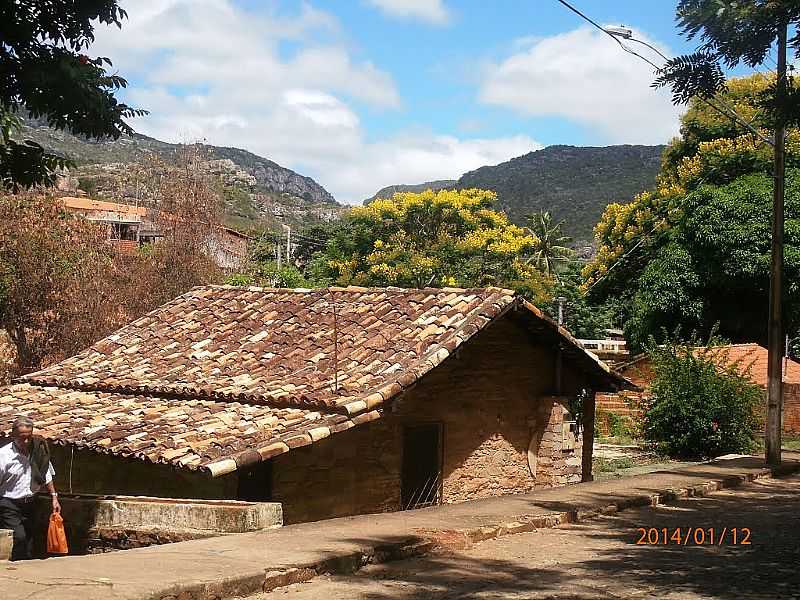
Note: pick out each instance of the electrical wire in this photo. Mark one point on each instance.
(732, 115)
(703, 180)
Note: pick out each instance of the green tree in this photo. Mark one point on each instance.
(551, 250)
(583, 320)
(712, 149)
(713, 267)
(45, 73)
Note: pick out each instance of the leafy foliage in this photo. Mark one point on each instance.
(63, 286)
(43, 71)
(692, 75)
(268, 274)
(700, 405)
(714, 268)
(444, 238)
(54, 271)
(695, 250)
(582, 319)
(551, 250)
(261, 268)
(732, 33)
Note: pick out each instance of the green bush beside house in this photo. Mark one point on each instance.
(698, 409)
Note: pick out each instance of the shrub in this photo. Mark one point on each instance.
(700, 405)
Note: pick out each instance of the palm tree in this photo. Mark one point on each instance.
(551, 248)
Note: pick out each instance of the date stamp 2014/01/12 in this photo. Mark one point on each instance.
(693, 536)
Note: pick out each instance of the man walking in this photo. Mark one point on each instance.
(24, 468)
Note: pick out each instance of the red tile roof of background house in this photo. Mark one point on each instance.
(751, 359)
(87, 204)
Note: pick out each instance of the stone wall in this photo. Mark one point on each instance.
(494, 402)
(102, 523)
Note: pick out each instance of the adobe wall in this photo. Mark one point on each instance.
(492, 400)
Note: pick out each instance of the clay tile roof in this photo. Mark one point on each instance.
(102, 206)
(751, 360)
(225, 376)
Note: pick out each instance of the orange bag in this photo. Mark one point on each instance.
(56, 537)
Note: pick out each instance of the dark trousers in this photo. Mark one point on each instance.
(18, 516)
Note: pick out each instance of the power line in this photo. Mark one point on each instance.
(703, 180)
(732, 115)
(609, 34)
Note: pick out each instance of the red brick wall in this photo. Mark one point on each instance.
(492, 399)
(791, 407)
(623, 404)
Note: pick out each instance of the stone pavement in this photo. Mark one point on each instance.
(242, 564)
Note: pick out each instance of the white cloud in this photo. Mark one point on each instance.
(430, 11)
(584, 76)
(417, 158)
(207, 70)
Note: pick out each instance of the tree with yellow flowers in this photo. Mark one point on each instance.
(710, 150)
(433, 239)
(694, 251)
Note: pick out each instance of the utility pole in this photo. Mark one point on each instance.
(288, 242)
(775, 340)
(279, 254)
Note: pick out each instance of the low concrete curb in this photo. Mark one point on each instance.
(431, 540)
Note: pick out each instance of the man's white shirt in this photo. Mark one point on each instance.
(16, 477)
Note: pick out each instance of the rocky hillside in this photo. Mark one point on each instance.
(391, 190)
(256, 189)
(574, 183)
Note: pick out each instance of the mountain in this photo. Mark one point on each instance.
(258, 191)
(574, 183)
(391, 190)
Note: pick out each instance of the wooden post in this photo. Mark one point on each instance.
(772, 436)
(588, 436)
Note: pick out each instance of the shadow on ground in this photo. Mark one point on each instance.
(600, 559)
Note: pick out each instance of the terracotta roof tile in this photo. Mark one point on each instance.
(223, 376)
(751, 359)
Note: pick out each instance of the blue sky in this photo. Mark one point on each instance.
(360, 94)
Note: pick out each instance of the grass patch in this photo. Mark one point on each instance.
(602, 465)
(619, 440)
(788, 442)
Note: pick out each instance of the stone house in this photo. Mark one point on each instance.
(333, 402)
(749, 360)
